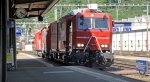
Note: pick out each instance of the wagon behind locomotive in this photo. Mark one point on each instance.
(40, 41)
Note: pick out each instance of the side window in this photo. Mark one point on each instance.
(138, 43)
(71, 27)
(146, 43)
(131, 43)
(114, 43)
(80, 22)
(125, 43)
(119, 43)
(60, 25)
(101, 23)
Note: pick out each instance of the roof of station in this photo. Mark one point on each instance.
(35, 7)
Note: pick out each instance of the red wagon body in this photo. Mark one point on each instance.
(40, 41)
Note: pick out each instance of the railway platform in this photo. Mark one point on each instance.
(35, 69)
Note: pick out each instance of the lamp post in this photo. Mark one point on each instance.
(55, 11)
(117, 9)
(147, 23)
(119, 1)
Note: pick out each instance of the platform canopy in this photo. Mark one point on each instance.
(32, 8)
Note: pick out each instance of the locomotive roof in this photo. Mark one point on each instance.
(74, 12)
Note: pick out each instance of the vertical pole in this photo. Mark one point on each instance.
(128, 42)
(14, 45)
(117, 9)
(4, 17)
(60, 12)
(116, 43)
(88, 1)
(14, 39)
(27, 34)
(147, 44)
(1, 41)
(147, 9)
(147, 23)
(119, 1)
(11, 36)
(117, 12)
(55, 10)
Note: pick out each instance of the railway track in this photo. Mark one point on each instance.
(118, 63)
(127, 68)
(122, 64)
(125, 64)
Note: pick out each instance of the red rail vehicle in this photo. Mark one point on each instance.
(82, 37)
(40, 41)
(37, 41)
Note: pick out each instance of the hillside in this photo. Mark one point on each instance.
(101, 1)
(123, 12)
(116, 12)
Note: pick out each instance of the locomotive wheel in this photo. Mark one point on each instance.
(103, 63)
(51, 57)
(66, 60)
(78, 57)
(43, 56)
(89, 58)
(88, 63)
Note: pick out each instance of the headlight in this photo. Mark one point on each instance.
(80, 45)
(104, 45)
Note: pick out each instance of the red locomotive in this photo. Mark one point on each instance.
(82, 37)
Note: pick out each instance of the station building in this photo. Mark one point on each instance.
(131, 35)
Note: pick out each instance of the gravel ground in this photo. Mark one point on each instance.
(145, 78)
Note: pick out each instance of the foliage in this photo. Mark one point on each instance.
(123, 12)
